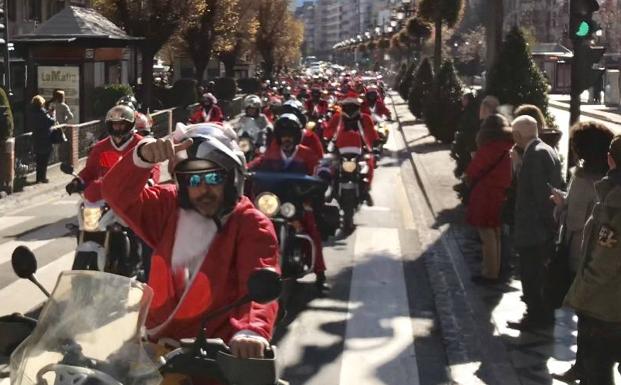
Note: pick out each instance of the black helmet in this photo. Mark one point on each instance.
(296, 108)
(129, 101)
(288, 124)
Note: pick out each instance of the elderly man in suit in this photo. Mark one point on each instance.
(535, 227)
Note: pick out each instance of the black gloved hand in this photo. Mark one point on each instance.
(74, 186)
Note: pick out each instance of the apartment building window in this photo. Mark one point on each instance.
(33, 10)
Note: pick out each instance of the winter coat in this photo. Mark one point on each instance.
(42, 125)
(534, 217)
(62, 111)
(489, 174)
(596, 289)
(225, 258)
(320, 110)
(101, 158)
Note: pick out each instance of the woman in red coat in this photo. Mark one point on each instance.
(489, 175)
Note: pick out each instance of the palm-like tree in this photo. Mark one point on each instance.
(440, 12)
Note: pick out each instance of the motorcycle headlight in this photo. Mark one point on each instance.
(349, 166)
(91, 218)
(287, 210)
(245, 145)
(268, 204)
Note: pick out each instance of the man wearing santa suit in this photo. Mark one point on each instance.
(209, 111)
(353, 131)
(120, 122)
(207, 237)
(315, 106)
(287, 154)
(373, 104)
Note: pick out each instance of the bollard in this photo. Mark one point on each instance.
(7, 165)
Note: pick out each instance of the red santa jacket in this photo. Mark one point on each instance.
(379, 108)
(320, 109)
(352, 140)
(311, 140)
(101, 158)
(303, 161)
(246, 242)
(214, 115)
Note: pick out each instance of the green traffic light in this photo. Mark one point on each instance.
(583, 29)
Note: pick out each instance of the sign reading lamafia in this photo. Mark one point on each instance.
(61, 78)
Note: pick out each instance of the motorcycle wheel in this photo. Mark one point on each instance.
(85, 260)
(348, 203)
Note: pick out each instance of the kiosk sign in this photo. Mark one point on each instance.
(61, 78)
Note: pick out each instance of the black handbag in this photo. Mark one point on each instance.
(558, 272)
(58, 136)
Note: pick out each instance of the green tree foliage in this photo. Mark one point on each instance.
(155, 20)
(516, 79)
(406, 80)
(106, 97)
(6, 130)
(439, 12)
(444, 107)
(421, 88)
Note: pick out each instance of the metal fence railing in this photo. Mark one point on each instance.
(81, 137)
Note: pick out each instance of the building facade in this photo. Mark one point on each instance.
(25, 15)
(546, 20)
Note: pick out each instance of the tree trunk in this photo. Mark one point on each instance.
(493, 32)
(199, 66)
(229, 64)
(437, 49)
(268, 68)
(148, 55)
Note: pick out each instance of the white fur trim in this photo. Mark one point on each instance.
(139, 162)
(250, 334)
(121, 147)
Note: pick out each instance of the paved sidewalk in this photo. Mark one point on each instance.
(597, 111)
(474, 318)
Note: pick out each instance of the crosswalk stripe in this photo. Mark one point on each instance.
(6, 249)
(22, 295)
(379, 343)
(10, 221)
(34, 240)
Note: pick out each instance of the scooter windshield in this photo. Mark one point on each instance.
(89, 332)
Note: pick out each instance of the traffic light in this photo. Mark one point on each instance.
(587, 67)
(581, 23)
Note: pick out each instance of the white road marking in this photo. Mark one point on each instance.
(407, 214)
(34, 240)
(64, 202)
(376, 208)
(22, 295)
(379, 344)
(8, 221)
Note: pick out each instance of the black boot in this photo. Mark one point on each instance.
(320, 283)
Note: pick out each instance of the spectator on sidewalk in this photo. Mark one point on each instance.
(42, 125)
(489, 176)
(535, 227)
(590, 144)
(489, 106)
(595, 292)
(61, 110)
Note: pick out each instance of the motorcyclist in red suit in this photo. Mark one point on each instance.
(315, 106)
(374, 104)
(208, 111)
(353, 131)
(207, 237)
(120, 121)
(286, 154)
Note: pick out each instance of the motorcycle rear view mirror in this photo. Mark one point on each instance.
(66, 168)
(264, 286)
(25, 266)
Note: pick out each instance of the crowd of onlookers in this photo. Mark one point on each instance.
(45, 115)
(565, 233)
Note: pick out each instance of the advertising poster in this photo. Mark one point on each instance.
(61, 78)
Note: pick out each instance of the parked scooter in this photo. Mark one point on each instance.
(105, 243)
(89, 332)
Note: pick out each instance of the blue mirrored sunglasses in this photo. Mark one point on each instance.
(210, 178)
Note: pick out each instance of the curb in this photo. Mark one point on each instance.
(469, 349)
(565, 107)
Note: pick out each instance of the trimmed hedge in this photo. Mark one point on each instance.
(106, 97)
(225, 88)
(443, 110)
(249, 85)
(6, 130)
